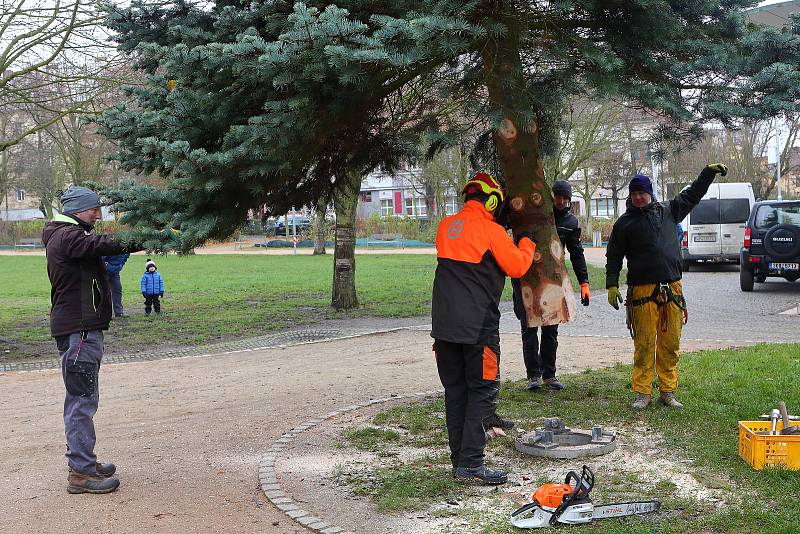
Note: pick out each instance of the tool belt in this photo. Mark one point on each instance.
(662, 294)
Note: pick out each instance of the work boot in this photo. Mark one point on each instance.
(642, 401)
(481, 475)
(668, 399)
(553, 384)
(495, 420)
(534, 383)
(106, 470)
(90, 483)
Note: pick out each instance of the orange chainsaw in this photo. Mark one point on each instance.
(570, 503)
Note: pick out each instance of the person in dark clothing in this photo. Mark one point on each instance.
(540, 359)
(152, 288)
(474, 255)
(656, 308)
(80, 311)
(114, 265)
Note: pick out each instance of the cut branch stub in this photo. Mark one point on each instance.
(546, 289)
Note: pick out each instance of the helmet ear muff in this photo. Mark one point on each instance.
(492, 202)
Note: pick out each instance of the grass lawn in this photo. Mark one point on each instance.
(718, 388)
(216, 297)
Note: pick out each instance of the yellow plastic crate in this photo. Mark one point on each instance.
(761, 451)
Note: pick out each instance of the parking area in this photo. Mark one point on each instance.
(718, 309)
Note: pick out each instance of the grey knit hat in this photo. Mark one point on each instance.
(77, 199)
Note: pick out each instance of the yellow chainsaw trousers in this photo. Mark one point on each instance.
(657, 339)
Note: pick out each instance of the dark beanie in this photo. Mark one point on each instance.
(563, 188)
(77, 199)
(640, 182)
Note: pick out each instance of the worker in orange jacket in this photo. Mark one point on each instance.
(474, 256)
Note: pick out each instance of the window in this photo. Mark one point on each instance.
(387, 207)
(450, 205)
(416, 207)
(734, 210)
(721, 211)
(20, 195)
(706, 212)
(366, 196)
(602, 207)
(771, 215)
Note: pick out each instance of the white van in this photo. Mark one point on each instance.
(714, 230)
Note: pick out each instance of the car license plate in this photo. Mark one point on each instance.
(705, 238)
(785, 266)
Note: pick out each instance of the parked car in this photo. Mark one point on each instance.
(771, 243)
(302, 224)
(714, 229)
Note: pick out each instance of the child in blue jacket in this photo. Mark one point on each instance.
(152, 288)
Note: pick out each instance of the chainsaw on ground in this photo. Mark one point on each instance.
(570, 503)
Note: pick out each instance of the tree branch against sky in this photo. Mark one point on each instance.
(54, 59)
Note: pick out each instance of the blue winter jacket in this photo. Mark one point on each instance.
(114, 264)
(152, 284)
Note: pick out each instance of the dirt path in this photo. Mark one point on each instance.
(187, 434)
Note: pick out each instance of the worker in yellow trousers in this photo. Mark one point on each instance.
(656, 323)
(656, 309)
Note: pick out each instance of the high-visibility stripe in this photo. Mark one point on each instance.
(489, 364)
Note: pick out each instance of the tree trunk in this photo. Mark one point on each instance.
(319, 226)
(345, 201)
(546, 288)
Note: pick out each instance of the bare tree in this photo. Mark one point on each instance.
(589, 128)
(54, 60)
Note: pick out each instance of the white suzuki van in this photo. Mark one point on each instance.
(714, 230)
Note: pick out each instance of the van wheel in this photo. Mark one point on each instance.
(761, 279)
(686, 266)
(746, 279)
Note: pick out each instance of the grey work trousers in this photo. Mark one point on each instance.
(81, 354)
(116, 293)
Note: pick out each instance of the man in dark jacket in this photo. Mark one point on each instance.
(540, 360)
(474, 255)
(114, 265)
(656, 308)
(81, 310)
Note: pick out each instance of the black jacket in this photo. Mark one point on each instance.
(647, 237)
(80, 295)
(569, 231)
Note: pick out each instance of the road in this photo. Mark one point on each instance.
(718, 310)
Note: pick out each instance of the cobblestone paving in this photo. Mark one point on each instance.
(278, 339)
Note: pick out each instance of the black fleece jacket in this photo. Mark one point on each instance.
(647, 237)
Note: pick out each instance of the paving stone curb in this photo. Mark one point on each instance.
(268, 476)
(271, 341)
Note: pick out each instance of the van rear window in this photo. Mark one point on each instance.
(769, 215)
(734, 210)
(721, 211)
(706, 212)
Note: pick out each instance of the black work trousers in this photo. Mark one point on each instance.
(469, 374)
(540, 360)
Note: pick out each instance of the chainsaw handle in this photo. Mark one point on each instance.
(583, 485)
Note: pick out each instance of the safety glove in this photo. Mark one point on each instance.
(614, 298)
(718, 168)
(585, 293)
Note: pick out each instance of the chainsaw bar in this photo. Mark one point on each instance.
(623, 509)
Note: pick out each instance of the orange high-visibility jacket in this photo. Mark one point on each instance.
(474, 256)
